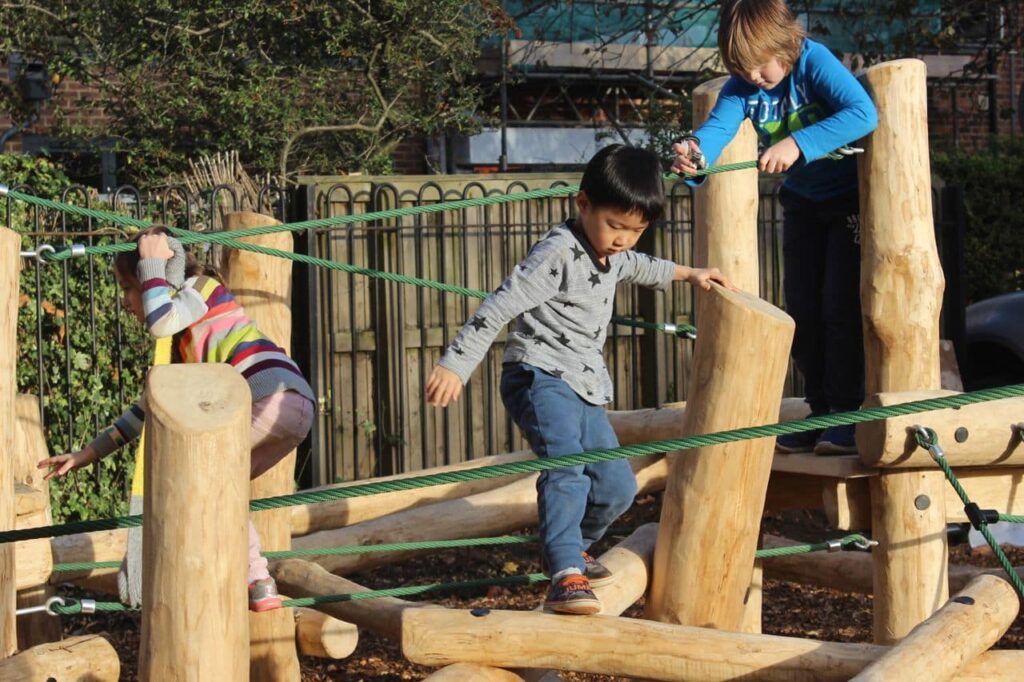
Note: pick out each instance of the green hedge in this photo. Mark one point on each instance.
(77, 406)
(994, 240)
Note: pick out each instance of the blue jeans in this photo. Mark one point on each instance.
(577, 504)
(821, 260)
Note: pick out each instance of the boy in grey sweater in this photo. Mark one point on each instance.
(554, 381)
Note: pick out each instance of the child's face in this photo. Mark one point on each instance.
(131, 295)
(766, 75)
(609, 230)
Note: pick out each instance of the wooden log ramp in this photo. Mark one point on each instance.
(87, 658)
(940, 647)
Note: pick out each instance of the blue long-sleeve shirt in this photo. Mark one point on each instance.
(820, 104)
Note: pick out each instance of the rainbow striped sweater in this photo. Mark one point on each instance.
(209, 325)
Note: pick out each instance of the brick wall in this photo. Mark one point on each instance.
(79, 102)
(960, 111)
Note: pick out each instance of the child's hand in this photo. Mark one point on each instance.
(685, 151)
(703, 277)
(155, 246)
(780, 157)
(444, 386)
(62, 464)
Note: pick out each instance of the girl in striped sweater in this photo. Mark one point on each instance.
(169, 292)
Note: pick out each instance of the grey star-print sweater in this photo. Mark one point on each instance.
(561, 298)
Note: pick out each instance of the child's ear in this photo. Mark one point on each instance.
(582, 202)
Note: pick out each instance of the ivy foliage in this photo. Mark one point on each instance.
(994, 235)
(344, 81)
(76, 349)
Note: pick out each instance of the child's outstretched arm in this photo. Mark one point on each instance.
(125, 429)
(702, 277)
(529, 285)
(167, 311)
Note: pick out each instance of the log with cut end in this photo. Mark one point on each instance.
(195, 543)
(382, 615)
(711, 511)
(983, 434)
(462, 672)
(318, 634)
(87, 658)
(645, 649)
(940, 647)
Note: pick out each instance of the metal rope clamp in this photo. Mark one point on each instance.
(929, 440)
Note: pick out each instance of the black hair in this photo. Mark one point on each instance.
(625, 178)
(127, 262)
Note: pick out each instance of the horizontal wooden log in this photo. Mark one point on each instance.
(88, 658)
(508, 508)
(645, 649)
(309, 518)
(105, 545)
(666, 422)
(940, 647)
(849, 571)
(972, 435)
(318, 634)
(305, 579)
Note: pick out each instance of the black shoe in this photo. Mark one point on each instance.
(837, 440)
(596, 572)
(804, 441)
(572, 595)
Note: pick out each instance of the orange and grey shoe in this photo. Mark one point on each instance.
(572, 595)
(596, 572)
(263, 595)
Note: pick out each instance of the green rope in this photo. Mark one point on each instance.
(74, 607)
(846, 542)
(333, 221)
(230, 239)
(1009, 518)
(931, 444)
(548, 463)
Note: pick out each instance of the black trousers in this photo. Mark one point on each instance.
(821, 260)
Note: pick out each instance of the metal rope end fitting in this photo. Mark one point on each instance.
(929, 440)
(88, 605)
(38, 253)
(670, 328)
(4, 189)
(77, 250)
(835, 545)
(847, 150)
(696, 157)
(865, 544)
(51, 602)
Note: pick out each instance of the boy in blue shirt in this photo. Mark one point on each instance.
(803, 104)
(554, 382)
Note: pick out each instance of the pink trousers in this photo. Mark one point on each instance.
(279, 423)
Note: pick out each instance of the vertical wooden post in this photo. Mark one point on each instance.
(263, 285)
(36, 628)
(10, 269)
(901, 296)
(195, 537)
(725, 214)
(711, 512)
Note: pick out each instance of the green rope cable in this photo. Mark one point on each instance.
(333, 221)
(845, 542)
(230, 239)
(530, 466)
(74, 607)
(1010, 518)
(931, 444)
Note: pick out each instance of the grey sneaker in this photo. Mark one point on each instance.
(596, 572)
(572, 595)
(263, 595)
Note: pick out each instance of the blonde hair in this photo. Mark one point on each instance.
(751, 32)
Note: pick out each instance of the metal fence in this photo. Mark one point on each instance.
(368, 345)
